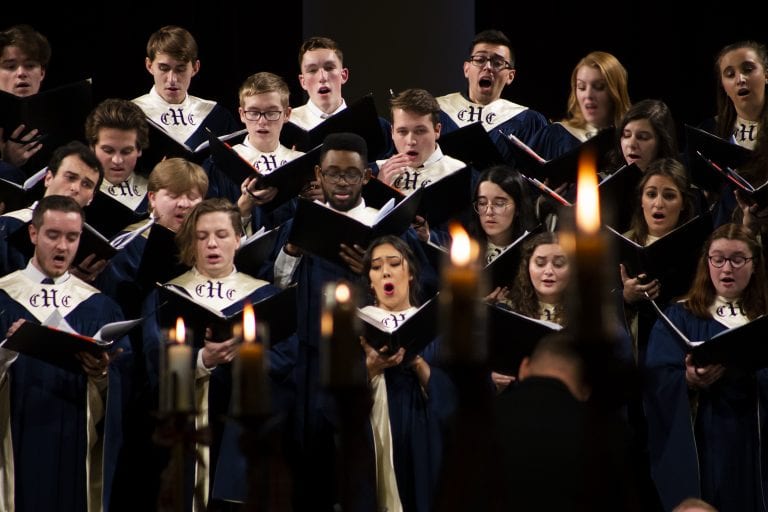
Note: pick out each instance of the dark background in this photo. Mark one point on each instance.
(400, 44)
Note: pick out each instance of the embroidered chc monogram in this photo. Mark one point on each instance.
(471, 114)
(408, 180)
(269, 162)
(124, 189)
(730, 309)
(49, 298)
(393, 320)
(214, 290)
(177, 117)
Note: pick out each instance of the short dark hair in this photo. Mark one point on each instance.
(83, 152)
(34, 44)
(119, 114)
(418, 101)
(55, 203)
(344, 141)
(320, 43)
(492, 36)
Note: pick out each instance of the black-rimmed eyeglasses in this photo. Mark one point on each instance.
(737, 261)
(269, 115)
(497, 63)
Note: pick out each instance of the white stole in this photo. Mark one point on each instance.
(131, 192)
(180, 120)
(492, 115)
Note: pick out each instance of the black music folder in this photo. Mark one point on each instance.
(15, 196)
(672, 258)
(744, 346)
(111, 217)
(617, 193)
(512, 337)
(503, 269)
(359, 117)
(289, 179)
(440, 201)
(413, 333)
(59, 347)
(160, 260)
(320, 230)
(447, 197)
(278, 311)
(255, 250)
(58, 114)
(162, 145)
(703, 149)
(561, 169)
(472, 145)
(728, 175)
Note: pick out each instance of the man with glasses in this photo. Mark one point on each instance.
(489, 68)
(264, 109)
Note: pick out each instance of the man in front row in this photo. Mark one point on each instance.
(58, 438)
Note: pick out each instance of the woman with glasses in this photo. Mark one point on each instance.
(704, 428)
(599, 98)
(504, 213)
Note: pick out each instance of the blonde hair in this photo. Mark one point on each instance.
(616, 79)
(178, 175)
(262, 83)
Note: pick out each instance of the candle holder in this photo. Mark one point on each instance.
(344, 375)
(177, 432)
(341, 358)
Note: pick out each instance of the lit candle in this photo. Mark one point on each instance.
(340, 352)
(591, 256)
(464, 342)
(250, 394)
(178, 379)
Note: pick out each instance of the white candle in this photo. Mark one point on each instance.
(251, 387)
(459, 301)
(591, 256)
(179, 376)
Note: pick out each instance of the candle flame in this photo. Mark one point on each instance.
(587, 197)
(343, 293)
(181, 333)
(249, 324)
(461, 246)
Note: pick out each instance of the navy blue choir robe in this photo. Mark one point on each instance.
(213, 393)
(717, 457)
(314, 416)
(49, 407)
(418, 420)
(500, 118)
(554, 140)
(11, 258)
